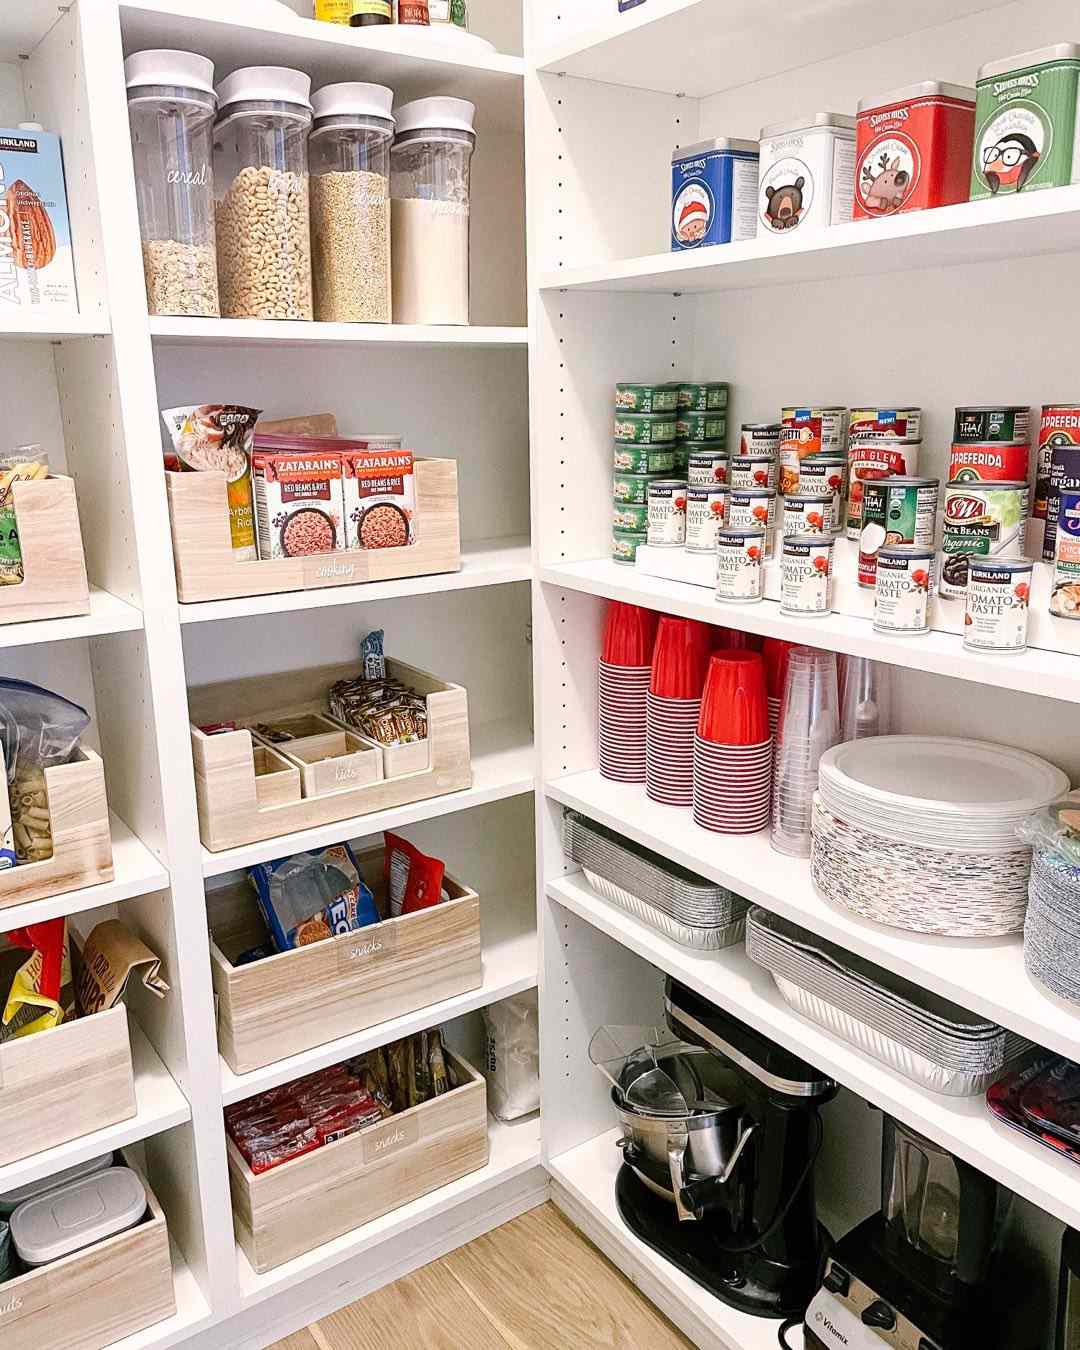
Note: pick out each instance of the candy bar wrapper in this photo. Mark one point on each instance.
(40, 992)
(111, 955)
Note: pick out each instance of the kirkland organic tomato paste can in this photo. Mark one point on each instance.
(1059, 427)
(913, 149)
(871, 460)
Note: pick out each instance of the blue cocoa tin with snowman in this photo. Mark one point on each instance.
(713, 193)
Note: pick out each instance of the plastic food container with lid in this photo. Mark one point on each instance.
(806, 173)
(349, 150)
(429, 189)
(913, 149)
(261, 178)
(77, 1215)
(11, 1200)
(171, 107)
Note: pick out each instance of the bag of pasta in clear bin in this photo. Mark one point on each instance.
(38, 730)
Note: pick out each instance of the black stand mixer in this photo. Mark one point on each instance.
(721, 1131)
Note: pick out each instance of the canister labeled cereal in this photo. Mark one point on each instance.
(753, 471)
(992, 422)
(705, 511)
(807, 173)
(646, 398)
(713, 193)
(870, 460)
(1059, 427)
(806, 513)
(989, 462)
(996, 604)
(900, 510)
(1065, 596)
(630, 517)
(643, 459)
(625, 544)
(903, 582)
(760, 438)
(645, 428)
(1064, 477)
(667, 513)
(806, 576)
(913, 149)
(981, 522)
(705, 467)
(754, 509)
(823, 476)
(632, 488)
(894, 424)
(701, 398)
(1026, 134)
(701, 427)
(740, 559)
(805, 432)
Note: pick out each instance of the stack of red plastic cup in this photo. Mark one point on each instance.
(733, 746)
(623, 682)
(775, 651)
(673, 705)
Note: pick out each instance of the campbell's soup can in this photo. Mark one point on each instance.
(754, 509)
(989, 462)
(805, 513)
(992, 422)
(706, 508)
(982, 520)
(805, 432)
(760, 439)
(1064, 477)
(901, 510)
(753, 471)
(1059, 425)
(895, 424)
(873, 459)
(913, 149)
(1065, 596)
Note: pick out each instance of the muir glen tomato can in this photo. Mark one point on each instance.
(913, 149)
(1059, 428)
(869, 461)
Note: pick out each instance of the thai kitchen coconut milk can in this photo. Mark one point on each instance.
(913, 149)
(807, 173)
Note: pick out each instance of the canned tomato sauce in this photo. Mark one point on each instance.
(990, 422)
(806, 576)
(1065, 597)
(754, 509)
(760, 439)
(981, 521)
(996, 604)
(667, 513)
(989, 462)
(705, 467)
(871, 460)
(805, 432)
(905, 577)
(753, 471)
(913, 149)
(740, 557)
(901, 510)
(1059, 426)
(894, 424)
(805, 513)
(705, 511)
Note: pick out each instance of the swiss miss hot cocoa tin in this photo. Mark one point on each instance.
(1065, 596)
(806, 575)
(1059, 426)
(740, 569)
(894, 424)
(706, 467)
(1064, 477)
(904, 580)
(806, 513)
(997, 603)
(991, 423)
(645, 428)
(632, 488)
(982, 521)
(701, 398)
(753, 471)
(705, 511)
(913, 149)
(667, 513)
(713, 193)
(699, 427)
(627, 517)
(625, 544)
(760, 438)
(646, 398)
(870, 460)
(989, 462)
(644, 459)
(805, 432)
(806, 173)
(754, 509)
(900, 510)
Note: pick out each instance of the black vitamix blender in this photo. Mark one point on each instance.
(739, 1218)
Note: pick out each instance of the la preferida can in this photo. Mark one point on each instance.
(713, 193)
(645, 428)
(982, 522)
(1026, 122)
(1059, 427)
(643, 459)
(625, 544)
(646, 398)
(705, 467)
(807, 173)
(900, 510)
(894, 424)
(992, 422)
(1065, 596)
(805, 432)
(1064, 477)
(870, 460)
(989, 462)
(902, 585)
(667, 513)
(709, 397)
(913, 149)
(740, 564)
(754, 509)
(761, 439)
(705, 511)
(806, 513)
(997, 604)
(806, 574)
(753, 471)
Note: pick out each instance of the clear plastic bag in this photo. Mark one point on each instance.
(1055, 828)
(512, 1056)
(38, 729)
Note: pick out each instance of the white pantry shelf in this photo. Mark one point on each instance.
(1053, 674)
(296, 333)
(971, 232)
(508, 925)
(159, 1105)
(515, 1149)
(47, 327)
(700, 47)
(963, 1125)
(487, 562)
(503, 765)
(108, 614)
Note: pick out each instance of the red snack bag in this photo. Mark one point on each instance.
(48, 939)
(413, 880)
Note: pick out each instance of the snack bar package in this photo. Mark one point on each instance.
(313, 896)
(220, 437)
(413, 880)
(40, 990)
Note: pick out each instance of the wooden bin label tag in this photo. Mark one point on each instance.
(367, 947)
(16, 1303)
(384, 1140)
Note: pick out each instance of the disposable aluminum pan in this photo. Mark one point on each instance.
(704, 938)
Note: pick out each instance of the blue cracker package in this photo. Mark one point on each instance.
(313, 896)
(714, 186)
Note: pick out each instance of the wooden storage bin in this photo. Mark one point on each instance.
(82, 841)
(54, 584)
(300, 999)
(289, 1210)
(97, 1296)
(276, 779)
(57, 1085)
(207, 570)
(231, 810)
(327, 756)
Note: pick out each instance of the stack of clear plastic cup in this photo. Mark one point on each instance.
(865, 698)
(809, 725)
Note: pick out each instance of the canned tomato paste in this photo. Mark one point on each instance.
(1065, 597)
(754, 509)
(705, 467)
(806, 514)
(901, 510)
(807, 172)
(996, 604)
(905, 576)
(705, 511)
(989, 462)
(913, 149)
(667, 513)
(870, 461)
(805, 432)
(740, 556)
(893, 424)
(992, 423)
(981, 521)
(752, 471)
(760, 438)
(823, 477)
(806, 574)
(1059, 425)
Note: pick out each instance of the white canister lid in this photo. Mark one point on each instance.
(353, 100)
(265, 84)
(436, 114)
(77, 1215)
(924, 89)
(11, 1200)
(1041, 56)
(181, 70)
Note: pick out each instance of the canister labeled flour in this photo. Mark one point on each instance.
(996, 604)
(991, 422)
(900, 510)
(740, 571)
(989, 462)
(667, 513)
(1026, 132)
(914, 149)
(806, 513)
(806, 576)
(807, 173)
(760, 438)
(805, 432)
(1059, 427)
(705, 467)
(643, 459)
(645, 428)
(713, 193)
(1065, 597)
(625, 544)
(753, 471)
(981, 522)
(870, 460)
(1064, 477)
(705, 511)
(754, 509)
(893, 424)
(905, 577)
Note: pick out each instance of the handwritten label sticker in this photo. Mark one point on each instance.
(22, 1298)
(385, 1140)
(367, 946)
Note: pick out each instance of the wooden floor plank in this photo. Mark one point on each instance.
(301, 1340)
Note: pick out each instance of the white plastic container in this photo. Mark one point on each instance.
(806, 173)
(78, 1215)
(11, 1200)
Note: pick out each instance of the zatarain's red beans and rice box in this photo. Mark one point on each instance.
(299, 506)
(380, 498)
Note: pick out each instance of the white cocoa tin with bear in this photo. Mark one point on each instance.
(806, 173)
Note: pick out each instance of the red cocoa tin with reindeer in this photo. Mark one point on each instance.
(913, 149)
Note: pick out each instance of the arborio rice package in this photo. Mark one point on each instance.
(512, 1056)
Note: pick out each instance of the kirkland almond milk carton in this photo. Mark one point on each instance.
(36, 270)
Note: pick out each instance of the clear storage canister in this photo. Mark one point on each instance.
(429, 190)
(350, 202)
(171, 106)
(261, 178)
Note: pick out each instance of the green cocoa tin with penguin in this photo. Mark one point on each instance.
(646, 398)
(1027, 134)
(645, 428)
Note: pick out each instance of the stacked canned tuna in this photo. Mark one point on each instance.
(645, 430)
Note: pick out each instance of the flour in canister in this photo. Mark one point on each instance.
(429, 250)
